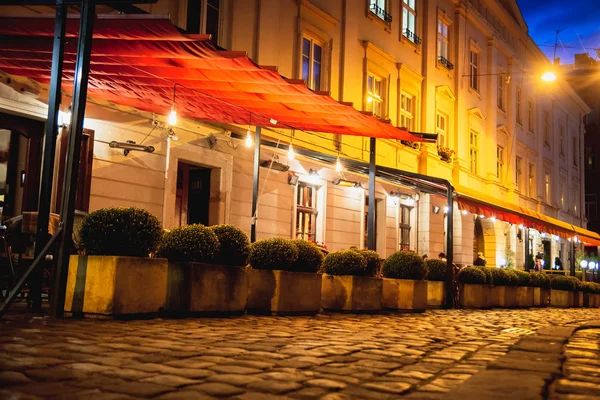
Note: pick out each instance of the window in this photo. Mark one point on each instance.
(312, 53)
(441, 121)
(501, 91)
(212, 19)
(591, 207)
(518, 106)
(518, 172)
(546, 128)
(575, 152)
(404, 227)
(306, 212)
(366, 223)
(375, 92)
(531, 180)
(562, 140)
(203, 12)
(562, 195)
(473, 152)
(379, 8)
(590, 159)
(547, 187)
(409, 20)
(442, 44)
(474, 70)
(499, 161)
(530, 115)
(406, 111)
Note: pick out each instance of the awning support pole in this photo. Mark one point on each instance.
(573, 259)
(67, 213)
(255, 184)
(54, 99)
(526, 241)
(450, 278)
(371, 241)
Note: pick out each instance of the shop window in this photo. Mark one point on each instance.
(404, 227)
(306, 211)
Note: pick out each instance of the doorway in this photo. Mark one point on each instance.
(478, 240)
(192, 201)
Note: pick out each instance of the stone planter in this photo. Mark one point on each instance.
(404, 294)
(524, 297)
(559, 298)
(283, 292)
(351, 293)
(589, 300)
(116, 286)
(503, 296)
(540, 297)
(496, 296)
(577, 299)
(474, 296)
(436, 294)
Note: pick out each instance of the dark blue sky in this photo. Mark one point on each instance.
(571, 17)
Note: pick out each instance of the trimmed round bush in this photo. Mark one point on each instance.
(310, 257)
(523, 278)
(120, 231)
(345, 262)
(273, 254)
(471, 275)
(235, 245)
(540, 279)
(404, 265)
(489, 274)
(588, 287)
(560, 282)
(576, 282)
(504, 277)
(373, 262)
(191, 243)
(437, 269)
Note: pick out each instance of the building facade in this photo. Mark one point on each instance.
(464, 69)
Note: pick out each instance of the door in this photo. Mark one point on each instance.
(198, 196)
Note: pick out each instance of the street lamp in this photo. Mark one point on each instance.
(549, 76)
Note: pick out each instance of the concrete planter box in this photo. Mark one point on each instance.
(559, 298)
(496, 296)
(436, 294)
(503, 296)
(589, 300)
(540, 297)
(577, 299)
(524, 297)
(474, 296)
(283, 292)
(116, 286)
(351, 293)
(404, 294)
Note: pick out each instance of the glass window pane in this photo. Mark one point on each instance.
(316, 76)
(305, 69)
(317, 52)
(377, 87)
(305, 47)
(370, 83)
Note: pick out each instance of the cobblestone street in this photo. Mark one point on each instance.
(331, 356)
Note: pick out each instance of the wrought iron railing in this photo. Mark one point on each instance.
(446, 63)
(412, 37)
(380, 12)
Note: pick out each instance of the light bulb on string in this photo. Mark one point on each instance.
(172, 118)
(338, 165)
(248, 140)
(291, 154)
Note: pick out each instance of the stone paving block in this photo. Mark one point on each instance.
(274, 386)
(217, 389)
(138, 389)
(500, 384)
(185, 395)
(577, 387)
(388, 387)
(170, 380)
(309, 393)
(11, 378)
(234, 369)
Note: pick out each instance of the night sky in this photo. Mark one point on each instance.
(571, 17)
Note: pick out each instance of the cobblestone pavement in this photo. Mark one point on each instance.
(330, 356)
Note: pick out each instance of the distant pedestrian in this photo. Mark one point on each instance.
(557, 263)
(539, 266)
(442, 257)
(480, 260)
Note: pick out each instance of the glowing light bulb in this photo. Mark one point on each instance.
(369, 99)
(338, 165)
(465, 212)
(549, 76)
(291, 154)
(248, 140)
(172, 118)
(493, 219)
(446, 209)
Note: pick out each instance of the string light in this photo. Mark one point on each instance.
(446, 209)
(465, 212)
(291, 154)
(338, 165)
(248, 140)
(172, 117)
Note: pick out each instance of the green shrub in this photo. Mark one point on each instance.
(120, 231)
(504, 277)
(540, 279)
(234, 245)
(472, 275)
(191, 243)
(345, 262)
(523, 278)
(561, 282)
(373, 262)
(273, 254)
(596, 288)
(576, 282)
(404, 265)
(588, 287)
(310, 257)
(489, 274)
(437, 269)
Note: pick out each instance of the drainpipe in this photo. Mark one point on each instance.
(450, 248)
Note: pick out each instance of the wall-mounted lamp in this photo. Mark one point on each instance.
(171, 135)
(130, 145)
(292, 179)
(64, 118)
(346, 183)
(211, 140)
(436, 209)
(274, 164)
(446, 209)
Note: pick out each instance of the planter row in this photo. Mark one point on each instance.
(120, 286)
(488, 296)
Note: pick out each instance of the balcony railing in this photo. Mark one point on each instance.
(380, 12)
(412, 37)
(445, 63)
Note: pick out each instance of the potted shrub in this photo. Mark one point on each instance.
(541, 289)
(436, 282)
(524, 289)
(115, 275)
(589, 290)
(404, 284)
(577, 294)
(284, 278)
(504, 291)
(473, 291)
(348, 284)
(561, 286)
(445, 154)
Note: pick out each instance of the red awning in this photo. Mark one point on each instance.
(137, 62)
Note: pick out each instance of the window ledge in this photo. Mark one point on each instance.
(475, 92)
(375, 18)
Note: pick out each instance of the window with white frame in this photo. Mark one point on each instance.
(501, 86)
(547, 187)
(312, 62)
(406, 111)
(519, 172)
(442, 43)
(404, 227)
(519, 105)
(441, 123)
(474, 70)
(306, 211)
(546, 128)
(531, 177)
(380, 9)
(375, 94)
(562, 140)
(530, 115)
(473, 151)
(409, 21)
(499, 161)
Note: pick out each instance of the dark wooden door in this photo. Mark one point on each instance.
(199, 196)
(84, 179)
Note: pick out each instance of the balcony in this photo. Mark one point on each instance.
(380, 12)
(442, 61)
(412, 37)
